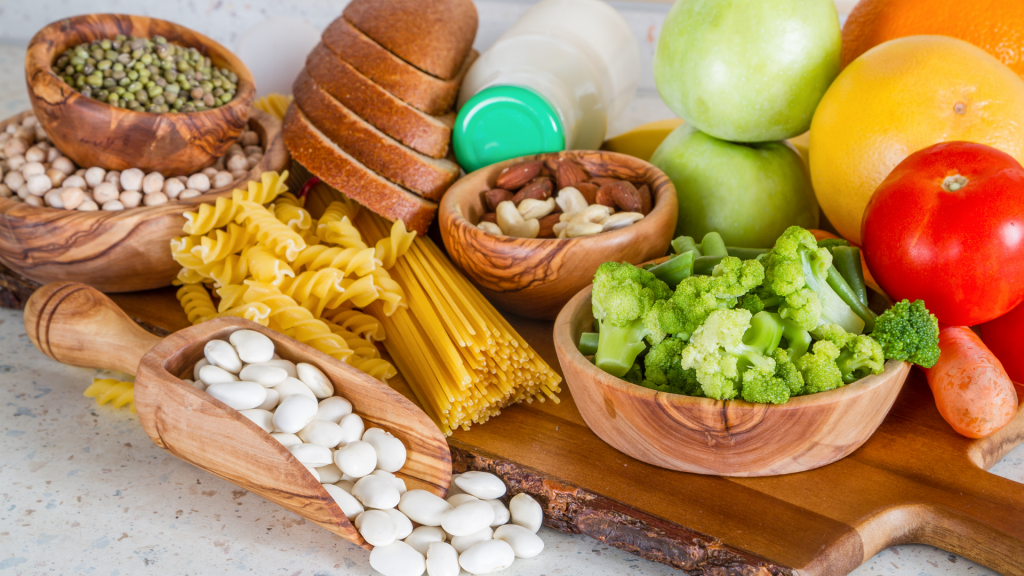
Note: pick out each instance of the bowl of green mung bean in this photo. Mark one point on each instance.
(119, 92)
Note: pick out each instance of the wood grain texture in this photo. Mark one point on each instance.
(77, 325)
(913, 481)
(94, 133)
(535, 277)
(706, 436)
(119, 251)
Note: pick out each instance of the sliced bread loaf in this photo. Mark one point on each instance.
(427, 176)
(312, 149)
(428, 93)
(428, 134)
(434, 36)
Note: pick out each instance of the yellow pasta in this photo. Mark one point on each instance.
(336, 227)
(255, 311)
(294, 217)
(197, 303)
(349, 260)
(274, 103)
(116, 392)
(357, 322)
(375, 367)
(265, 266)
(389, 291)
(395, 245)
(314, 289)
(288, 317)
(219, 244)
(269, 231)
(224, 210)
(290, 199)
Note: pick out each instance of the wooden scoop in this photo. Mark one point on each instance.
(75, 324)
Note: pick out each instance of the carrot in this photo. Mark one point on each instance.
(868, 278)
(971, 388)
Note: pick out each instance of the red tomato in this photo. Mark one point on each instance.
(947, 227)
(1004, 336)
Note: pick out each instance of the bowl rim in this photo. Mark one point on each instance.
(40, 56)
(449, 213)
(564, 342)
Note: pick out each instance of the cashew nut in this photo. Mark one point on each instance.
(489, 227)
(533, 208)
(571, 200)
(577, 229)
(621, 220)
(594, 214)
(512, 223)
(559, 229)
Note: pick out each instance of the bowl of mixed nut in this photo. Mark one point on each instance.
(531, 231)
(120, 92)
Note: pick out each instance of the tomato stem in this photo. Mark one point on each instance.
(954, 183)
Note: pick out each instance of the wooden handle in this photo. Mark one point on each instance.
(75, 324)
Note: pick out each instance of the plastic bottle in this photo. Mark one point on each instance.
(552, 82)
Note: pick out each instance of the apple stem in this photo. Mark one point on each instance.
(954, 183)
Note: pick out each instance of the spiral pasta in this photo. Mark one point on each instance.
(395, 245)
(255, 311)
(375, 367)
(290, 199)
(219, 244)
(197, 303)
(356, 322)
(288, 317)
(269, 231)
(116, 392)
(389, 292)
(313, 289)
(274, 103)
(336, 227)
(348, 260)
(224, 210)
(294, 217)
(265, 266)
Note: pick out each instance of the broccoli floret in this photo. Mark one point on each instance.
(623, 295)
(664, 370)
(819, 368)
(762, 385)
(859, 355)
(726, 346)
(635, 375)
(698, 296)
(752, 302)
(788, 372)
(737, 277)
(910, 333)
(664, 318)
(797, 265)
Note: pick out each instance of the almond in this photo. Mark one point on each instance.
(496, 196)
(601, 181)
(551, 164)
(645, 199)
(539, 188)
(518, 175)
(569, 173)
(547, 225)
(489, 217)
(626, 196)
(605, 195)
(589, 191)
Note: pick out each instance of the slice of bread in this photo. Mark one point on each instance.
(309, 147)
(381, 153)
(434, 36)
(428, 134)
(423, 91)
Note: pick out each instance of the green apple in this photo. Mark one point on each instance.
(749, 193)
(748, 70)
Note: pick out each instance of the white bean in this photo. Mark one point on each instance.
(329, 474)
(526, 512)
(221, 353)
(346, 485)
(376, 492)
(199, 366)
(292, 386)
(313, 473)
(483, 485)
(265, 374)
(294, 412)
(395, 481)
(252, 346)
(352, 428)
(348, 504)
(463, 543)
(286, 439)
(131, 179)
(391, 453)
(377, 528)
(239, 395)
(263, 418)
(211, 375)
(272, 399)
(423, 536)
(289, 367)
(316, 380)
(200, 182)
(442, 560)
(423, 507)
(311, 455)
(501, 514)
(94, 176)
(333, 409)
(397, 559)
(322, 433)
(486, 557)
(524, 543)
(466, 518)
(403, 526)
(152, 183)
(458, 499)
(357, 459)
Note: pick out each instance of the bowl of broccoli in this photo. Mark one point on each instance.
(739, 362)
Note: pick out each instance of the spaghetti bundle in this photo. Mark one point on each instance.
(461, 358)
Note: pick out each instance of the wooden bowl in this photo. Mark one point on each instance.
(77, 325)
(94, 133)
(535, 277)
(732, 438)
(121, 251)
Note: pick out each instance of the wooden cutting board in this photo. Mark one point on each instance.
(915, 481)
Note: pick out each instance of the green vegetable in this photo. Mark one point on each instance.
(623, 295)
(846, 260)
(588, 343)
(664, 372)
(728, 345)
(684, 244)
(910, 333)
(819, 368)
(698, 296)
(675, 269)
(859, 355)
(635, 375)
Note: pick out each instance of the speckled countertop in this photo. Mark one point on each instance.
(84, 491)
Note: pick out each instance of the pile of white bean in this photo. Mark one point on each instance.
(470, 529)
(33, 171)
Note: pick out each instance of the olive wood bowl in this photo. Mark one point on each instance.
(723, 438)
(94, 133)
(121, 251)
(77, 325)
(535, 277)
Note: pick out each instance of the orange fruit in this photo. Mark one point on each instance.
(996, 26)
(900, 97)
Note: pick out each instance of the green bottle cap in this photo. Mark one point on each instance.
(503, 122)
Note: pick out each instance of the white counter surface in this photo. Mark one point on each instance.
(84, 491)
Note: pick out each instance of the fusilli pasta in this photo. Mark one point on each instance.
(116, 392)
